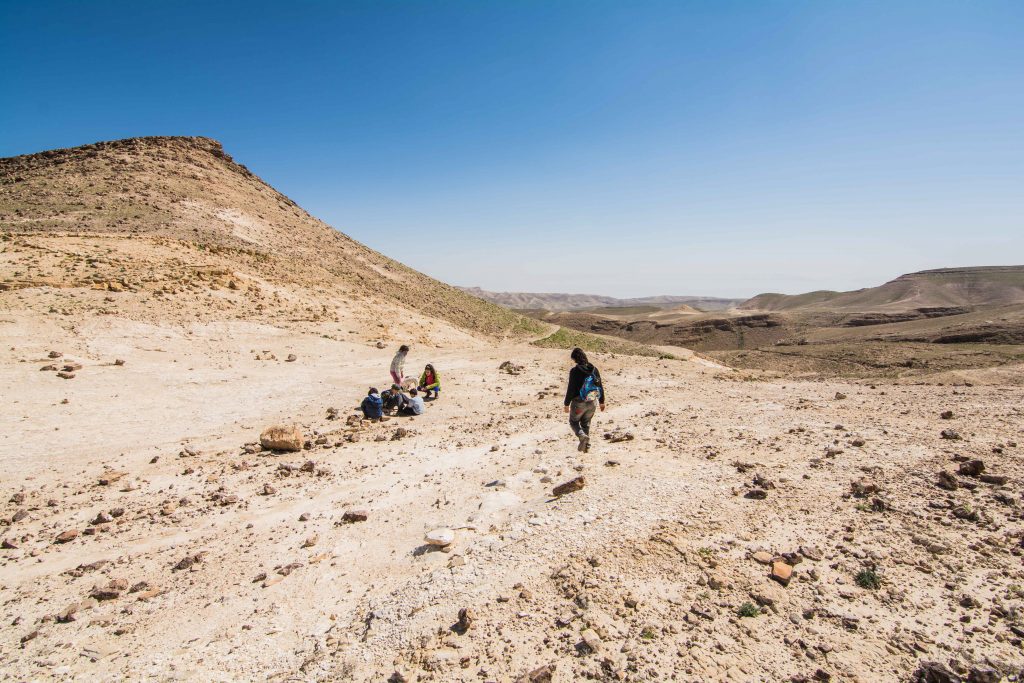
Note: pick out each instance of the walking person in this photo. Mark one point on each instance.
(583, 395)
(398, 365)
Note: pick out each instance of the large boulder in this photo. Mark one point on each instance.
(282, 438)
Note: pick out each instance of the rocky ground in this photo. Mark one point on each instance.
(728, 527)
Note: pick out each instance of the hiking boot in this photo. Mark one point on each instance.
(584, 443)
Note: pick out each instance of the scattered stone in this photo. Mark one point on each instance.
(997, 479)
(760, 481)
(17, 498)
(840, 396)
(440, 537)
(111, 477)
(950, 434)
(63, 374)
(268, 490)
(353, 516)
(291, 358)
(102, 518)
(756, 494)
(511, 368)
(119, 361)
(111, 591)
(972, 468)
(311, 541)
(543, 674)
(946, 415)
(965, 512)
(934, 672)
(591, 641)
(863, 488)
(65, 536)
(570, 486)
(54, 354)
(399, 433)
(464, 622)
(6, 544)
(618, 436)
(811, 552)
(762, 557)
(947, 481)
(48, 368)
(19, 515)
(282, 438)
(782, 572)
(189, 561)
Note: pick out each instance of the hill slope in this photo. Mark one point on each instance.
(946, 287)
(176, 220)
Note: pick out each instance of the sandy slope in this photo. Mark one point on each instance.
(653, 555)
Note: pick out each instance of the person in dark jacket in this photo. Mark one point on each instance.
(372, 406)
(393, 399)
(583, 395)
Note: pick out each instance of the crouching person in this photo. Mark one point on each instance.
(372, 406)
(430, 382)
(413, 405)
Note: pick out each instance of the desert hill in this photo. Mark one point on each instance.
(175, 221)
(576, 302)
(943, 288)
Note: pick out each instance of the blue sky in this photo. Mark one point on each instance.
(623, 148)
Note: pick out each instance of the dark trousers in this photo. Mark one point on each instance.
(580, 414)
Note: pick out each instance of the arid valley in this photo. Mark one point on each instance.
(813, 500)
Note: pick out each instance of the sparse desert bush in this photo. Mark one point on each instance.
(748, 609)
(869, 579)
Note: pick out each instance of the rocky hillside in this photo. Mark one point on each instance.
(176, 221)
(946, 287)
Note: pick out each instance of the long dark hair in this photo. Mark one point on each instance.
(578, 356)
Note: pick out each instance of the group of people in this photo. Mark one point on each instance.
(584, 394)
(395, 401)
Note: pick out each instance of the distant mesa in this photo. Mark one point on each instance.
(942, 288)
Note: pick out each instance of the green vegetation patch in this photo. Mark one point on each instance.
(564, 338)
(869, 579)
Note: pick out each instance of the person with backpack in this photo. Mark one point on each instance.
(398, 364)
(430, 381)
(372, 406)
(583, 396)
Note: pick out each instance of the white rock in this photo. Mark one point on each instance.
(441, 537)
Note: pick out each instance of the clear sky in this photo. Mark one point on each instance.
(622, 148)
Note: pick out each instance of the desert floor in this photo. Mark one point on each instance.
(222, 564)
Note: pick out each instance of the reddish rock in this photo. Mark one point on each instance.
(570, 486)
(782, 572)
(65, 536)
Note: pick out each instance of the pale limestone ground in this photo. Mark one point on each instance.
(666, 529)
